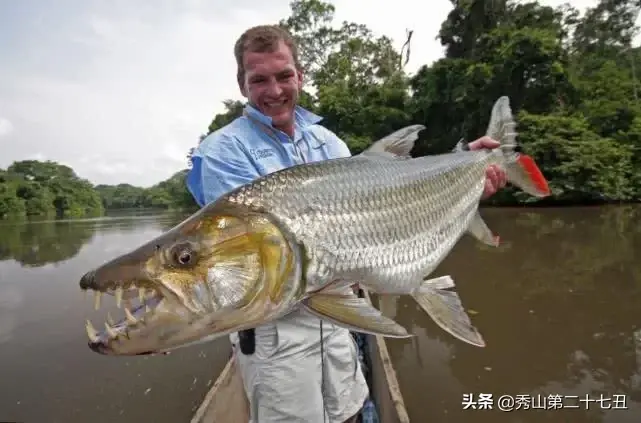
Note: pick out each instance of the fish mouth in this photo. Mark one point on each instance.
(137, 300)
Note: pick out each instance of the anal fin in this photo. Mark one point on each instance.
(479, 230)
(446, 309)
(354, 313)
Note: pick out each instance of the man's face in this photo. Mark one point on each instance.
(272, 84)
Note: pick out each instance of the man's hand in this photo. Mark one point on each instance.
(495, 177)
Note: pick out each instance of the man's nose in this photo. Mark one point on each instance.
(274, 89)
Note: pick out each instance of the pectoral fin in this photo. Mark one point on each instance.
(354, 313)
(479, 230)
(446, 309)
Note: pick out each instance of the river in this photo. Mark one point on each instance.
(47, 372)
(559, 304)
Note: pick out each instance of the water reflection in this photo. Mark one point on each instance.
(38, 243)
(47, 372)
(558, 305)
(42, 243)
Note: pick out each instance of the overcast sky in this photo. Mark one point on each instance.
(120, 90)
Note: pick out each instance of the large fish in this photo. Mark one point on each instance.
(301, 236)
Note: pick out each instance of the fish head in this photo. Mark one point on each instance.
(222, 270)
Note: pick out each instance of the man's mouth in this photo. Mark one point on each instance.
(276, 104)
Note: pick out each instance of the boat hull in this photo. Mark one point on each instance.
(226, 401)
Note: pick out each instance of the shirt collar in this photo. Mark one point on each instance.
(303, 118)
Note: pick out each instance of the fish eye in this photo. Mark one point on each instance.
(183, 255)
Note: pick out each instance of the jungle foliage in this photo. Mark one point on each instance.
(571, 78)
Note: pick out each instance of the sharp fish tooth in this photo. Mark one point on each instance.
(91, 332)
(130, 317)
(96, 299)
(110, 320)
(112, 333)
(147, 309)
(118, 297)
(141, 295)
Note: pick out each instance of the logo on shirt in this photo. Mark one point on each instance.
(261, 153)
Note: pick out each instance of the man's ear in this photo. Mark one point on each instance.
(300, 78)
(243, 88)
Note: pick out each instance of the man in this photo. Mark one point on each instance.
(285, 378)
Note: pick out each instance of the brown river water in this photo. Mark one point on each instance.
(559, 304)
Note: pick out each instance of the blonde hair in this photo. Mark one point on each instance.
(262, 39)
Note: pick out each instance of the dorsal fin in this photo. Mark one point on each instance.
(398, 144)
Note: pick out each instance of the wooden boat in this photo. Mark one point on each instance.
(226, 401)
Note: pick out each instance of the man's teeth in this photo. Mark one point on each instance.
(275, 103)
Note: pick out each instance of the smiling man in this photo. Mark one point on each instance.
(297, 369)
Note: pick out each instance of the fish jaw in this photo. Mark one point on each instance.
(145, 332)
(224, 269)
(170, 327)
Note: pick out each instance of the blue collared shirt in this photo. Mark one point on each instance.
(243, 150)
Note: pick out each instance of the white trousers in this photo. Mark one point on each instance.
(283, 377)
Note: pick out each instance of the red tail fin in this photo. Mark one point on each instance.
(525, 174)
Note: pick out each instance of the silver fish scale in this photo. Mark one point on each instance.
(385, 221)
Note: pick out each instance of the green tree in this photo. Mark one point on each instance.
(572, 81)
(32, 188)
(361, 89)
